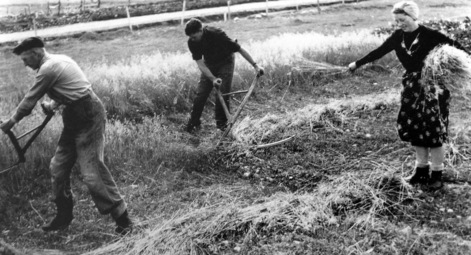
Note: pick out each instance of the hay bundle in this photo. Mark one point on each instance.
(304, 66)
(447, 67)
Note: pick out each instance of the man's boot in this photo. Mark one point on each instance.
(192, 126)
(124, 224)
(436, 182)
(64, 214)
(420, 176)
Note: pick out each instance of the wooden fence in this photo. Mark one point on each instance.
(62, 30)
(56, 7)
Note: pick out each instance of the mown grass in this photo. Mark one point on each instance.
(331, 190)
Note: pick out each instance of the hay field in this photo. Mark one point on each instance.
(336, 188)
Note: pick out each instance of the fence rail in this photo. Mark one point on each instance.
(17, 7)
(263, 6)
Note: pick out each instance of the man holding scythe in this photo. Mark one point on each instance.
(213, 52)
(82, 139)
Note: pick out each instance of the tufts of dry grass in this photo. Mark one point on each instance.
(210, 229)
(249, 131)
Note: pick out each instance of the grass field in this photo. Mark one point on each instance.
(335, 188)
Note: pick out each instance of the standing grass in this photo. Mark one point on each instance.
(187, 197)
(163, 83)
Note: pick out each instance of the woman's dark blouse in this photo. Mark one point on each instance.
(427, 40)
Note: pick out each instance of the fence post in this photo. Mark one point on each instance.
(59, 8)
(129, 17)
(34, 26)
(267, 7)
(297, 5)
(99, 3)
(183, 12)
(318, 6)
(229, 9)
(343, 2)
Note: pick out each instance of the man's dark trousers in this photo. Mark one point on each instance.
(225, 71)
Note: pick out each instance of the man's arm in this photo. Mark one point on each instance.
(205, 70)
(249, 59)
(44, 80)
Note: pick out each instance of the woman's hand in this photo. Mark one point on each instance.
(352, 66)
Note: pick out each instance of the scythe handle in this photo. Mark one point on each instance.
(239, 110)
(16, 145)
(14, 140)
(38, 131)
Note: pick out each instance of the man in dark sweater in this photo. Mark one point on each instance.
(213, 51)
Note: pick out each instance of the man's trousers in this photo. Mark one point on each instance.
(82, 141)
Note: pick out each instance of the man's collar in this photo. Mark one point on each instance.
(44, 59)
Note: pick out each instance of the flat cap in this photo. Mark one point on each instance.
(27, 44)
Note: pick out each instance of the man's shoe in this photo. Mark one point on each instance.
(124, 224)
(436, 182)
(63, 217)
(192, 127)
(420, 176)
(59, 222)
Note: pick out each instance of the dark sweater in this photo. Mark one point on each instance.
(215, 46)
(401, 42)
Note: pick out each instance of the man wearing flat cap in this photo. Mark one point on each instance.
(83, 136)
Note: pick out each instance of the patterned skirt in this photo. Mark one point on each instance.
(423, 116)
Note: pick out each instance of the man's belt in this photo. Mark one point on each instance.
(83, 98)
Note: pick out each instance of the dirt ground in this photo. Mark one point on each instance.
(91, 231)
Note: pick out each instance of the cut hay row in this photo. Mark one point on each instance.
(209, 229)
(250, 131)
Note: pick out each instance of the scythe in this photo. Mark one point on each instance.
(21, 151)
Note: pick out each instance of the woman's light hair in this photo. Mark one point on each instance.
(409, 8)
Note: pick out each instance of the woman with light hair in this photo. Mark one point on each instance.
(422, 120)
